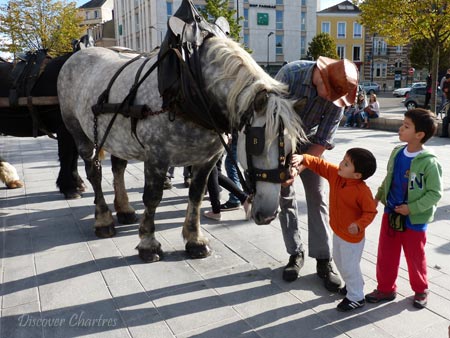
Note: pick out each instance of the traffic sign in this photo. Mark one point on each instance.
(411, 71)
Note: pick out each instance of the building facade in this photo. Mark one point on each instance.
(98, 18)
(341, 23)
(376, 60)
(276, 31)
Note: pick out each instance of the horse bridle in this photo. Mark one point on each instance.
(254, 146)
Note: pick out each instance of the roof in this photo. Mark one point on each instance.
(93, 4)
(343, 7)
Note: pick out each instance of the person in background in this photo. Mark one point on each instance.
(446, 90)
(428, 91)
(321, 90)
(441, 85)
(215, 179)
(372, 111)
(352, 209)
(233, 202)
(357, 109)
(412, 188)
(187, 174)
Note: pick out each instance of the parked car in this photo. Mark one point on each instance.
(416, 98)
(370, 87)
(400, 92)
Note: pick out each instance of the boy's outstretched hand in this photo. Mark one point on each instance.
(296, 160)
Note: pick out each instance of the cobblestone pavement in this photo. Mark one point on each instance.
(59, 280)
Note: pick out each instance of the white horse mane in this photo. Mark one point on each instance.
(250, 79)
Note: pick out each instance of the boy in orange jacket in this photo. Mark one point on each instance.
(352, 209)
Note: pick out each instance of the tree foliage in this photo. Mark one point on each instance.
(217, 8)
(403, 21)
(40, 24)
(421, 57)
(322, 45)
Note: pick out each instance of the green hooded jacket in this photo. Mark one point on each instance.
(425, 187)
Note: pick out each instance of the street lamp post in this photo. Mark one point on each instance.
(373, 55)
(160, 34)
(268, 36)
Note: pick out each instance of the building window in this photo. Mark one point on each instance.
(303, 21)
(279, 2)
(246, 41)
(279, 16)
(95, 14)
(357, 30)
(87, 16)
(380, 46)
(399, 49)
(279, 44)
(380, 70)
(356, 53)
(341, 52)
(341, 30)
(169, 9)
(326, 27)
(245, 17)
(303, 2)
(302, 47)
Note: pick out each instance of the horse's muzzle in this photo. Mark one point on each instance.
(263, 220)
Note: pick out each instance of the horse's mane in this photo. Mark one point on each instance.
(250, 79)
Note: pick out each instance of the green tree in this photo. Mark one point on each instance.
(422, 57)
(403, 21)
(217, 8)
(322, 45)
(40, 24)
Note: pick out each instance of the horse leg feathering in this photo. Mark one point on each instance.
(9, 176)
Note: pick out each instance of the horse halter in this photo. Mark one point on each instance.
(254, 145)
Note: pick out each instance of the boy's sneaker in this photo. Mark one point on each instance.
(228, 206)
(420, 300)
(347, 304)
(377, 296)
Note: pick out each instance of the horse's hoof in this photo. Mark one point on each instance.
(198, 250)
(149, 256)
(126, 218)
(72, 195)
(81, 188)
(14, 184)
(105, 232)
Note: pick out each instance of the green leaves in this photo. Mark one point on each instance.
(36, 24)
(322, 45)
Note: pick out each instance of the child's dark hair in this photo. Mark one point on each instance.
(364, 162)
(424, 120)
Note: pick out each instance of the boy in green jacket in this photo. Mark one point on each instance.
(412, 187)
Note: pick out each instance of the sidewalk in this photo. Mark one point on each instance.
(59, 280)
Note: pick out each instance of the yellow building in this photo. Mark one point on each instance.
(341, 22)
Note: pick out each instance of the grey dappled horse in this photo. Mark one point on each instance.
(233, 82)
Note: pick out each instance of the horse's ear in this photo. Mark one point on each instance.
(260, 101)
(187, 32)
(300, 105)
(223, 24)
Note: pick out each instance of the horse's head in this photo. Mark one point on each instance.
(264, 147)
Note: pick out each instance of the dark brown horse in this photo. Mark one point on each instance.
(29, 107)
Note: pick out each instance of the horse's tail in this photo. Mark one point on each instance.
(9, 176)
